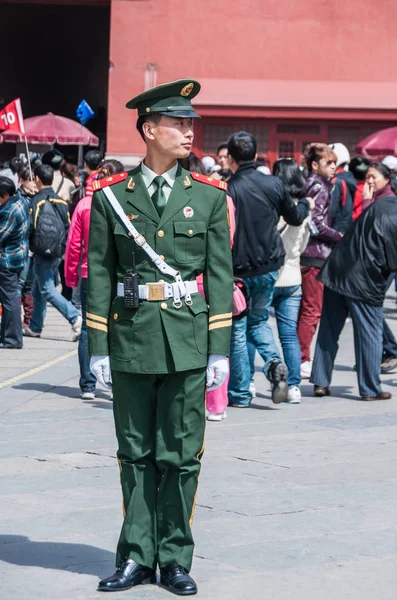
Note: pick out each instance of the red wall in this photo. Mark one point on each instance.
(350, 40)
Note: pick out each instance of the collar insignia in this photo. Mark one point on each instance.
(186, 181)
(131, 184)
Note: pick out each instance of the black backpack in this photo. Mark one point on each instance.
(49, 237)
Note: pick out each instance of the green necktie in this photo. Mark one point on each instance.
(158, 196)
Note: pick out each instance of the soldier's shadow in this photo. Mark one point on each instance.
(61, 390)
(76, 558)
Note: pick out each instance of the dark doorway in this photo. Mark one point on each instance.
(57, 54)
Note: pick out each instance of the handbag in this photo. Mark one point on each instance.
(239, 299)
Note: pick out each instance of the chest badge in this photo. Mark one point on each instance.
(188, 212)
(132, 217)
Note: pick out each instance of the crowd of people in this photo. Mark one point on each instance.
(314, 242)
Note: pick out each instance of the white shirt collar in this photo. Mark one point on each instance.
(148, 175)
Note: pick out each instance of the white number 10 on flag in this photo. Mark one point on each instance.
(8, 118)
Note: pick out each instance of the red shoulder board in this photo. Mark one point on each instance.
(111, 180)
(222, 185)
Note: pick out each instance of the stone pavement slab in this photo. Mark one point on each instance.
(296, 502)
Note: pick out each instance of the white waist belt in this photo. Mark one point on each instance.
(162, 291)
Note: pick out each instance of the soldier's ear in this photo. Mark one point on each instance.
(147, 129)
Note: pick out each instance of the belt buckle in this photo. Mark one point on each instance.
(156, 292)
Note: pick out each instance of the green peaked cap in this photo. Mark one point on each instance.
(172, 99)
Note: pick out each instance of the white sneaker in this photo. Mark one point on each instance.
(29, 333)
(88, 395)
(294, 395)
(216, 416)
(306, 369)
(76, 328)
(252, 388)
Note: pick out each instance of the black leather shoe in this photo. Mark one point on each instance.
(176, 579)
(127, 575)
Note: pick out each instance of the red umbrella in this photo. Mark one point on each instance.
(381, 143)
(51, 129)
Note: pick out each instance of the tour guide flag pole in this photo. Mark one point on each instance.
(11, 118)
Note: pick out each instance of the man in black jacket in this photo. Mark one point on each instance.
(355, 277)
(258, 253)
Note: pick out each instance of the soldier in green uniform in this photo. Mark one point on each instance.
(161, 354)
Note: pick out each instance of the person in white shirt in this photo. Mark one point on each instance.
(287, 291)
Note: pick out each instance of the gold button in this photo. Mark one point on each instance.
(148, 110)
(164, 305)
(160, 233)
(129, 233)
(115, 316)
(161, 281)
(162, 256)
(190, 232)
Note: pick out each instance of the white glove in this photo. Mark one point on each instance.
(217, 371)
(100, 367)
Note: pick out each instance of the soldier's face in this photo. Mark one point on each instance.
(173, 136)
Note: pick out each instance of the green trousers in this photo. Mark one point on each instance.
(160, 424)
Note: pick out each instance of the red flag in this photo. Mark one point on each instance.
(11, 117)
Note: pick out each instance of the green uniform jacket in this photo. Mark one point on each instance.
(157, 337)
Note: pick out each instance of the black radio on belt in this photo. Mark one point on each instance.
(131, 287)
(131, 290)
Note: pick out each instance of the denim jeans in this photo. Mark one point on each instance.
(44, 290)
(240, 372)
(11, 325)
(25, 282)
(254, 330)
(87, 379)
(286, 301)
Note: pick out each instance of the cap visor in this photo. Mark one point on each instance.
(181, 114)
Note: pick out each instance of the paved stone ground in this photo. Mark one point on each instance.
(296, 502)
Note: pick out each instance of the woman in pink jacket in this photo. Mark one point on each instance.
(76, 260)
(217, 400)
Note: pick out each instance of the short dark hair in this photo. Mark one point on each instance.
(54, 158)
(242, 147)
(24, 174)
(221, 146)
(45, 173)
(382, 169)
(15, 164)
(155, 117)
(92, 159)
(359, 167)
(7, 187)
